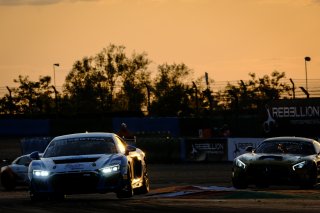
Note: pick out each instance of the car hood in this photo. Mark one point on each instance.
(263, 158)
(77, 163)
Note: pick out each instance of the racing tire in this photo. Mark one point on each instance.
(239, 183)
(312, 180)
(127, 190)
(8, 181)
(144, 189)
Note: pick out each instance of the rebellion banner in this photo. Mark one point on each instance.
(293, 117)
(211, 149)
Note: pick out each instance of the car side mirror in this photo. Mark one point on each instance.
(35, 155)
(249, 149)
(129, 149)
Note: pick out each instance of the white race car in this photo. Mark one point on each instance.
(88, 163)
(16, 173)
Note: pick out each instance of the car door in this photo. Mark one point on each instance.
(20, 167)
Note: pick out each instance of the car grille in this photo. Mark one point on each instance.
(75, 182)
(77, 160)
(270, 173)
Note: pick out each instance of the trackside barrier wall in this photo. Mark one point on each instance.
(215, 149)
(205, 149)
(237, 146)
(160, 149)
(168, 150)
(168, 125)
(24, 127)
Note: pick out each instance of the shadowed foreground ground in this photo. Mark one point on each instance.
(177, 188)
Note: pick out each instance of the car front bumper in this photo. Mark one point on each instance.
(273, 175)
(77, 183)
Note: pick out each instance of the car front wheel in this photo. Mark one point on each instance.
(127, 190)
(238, 181)
(311, 179)
(144, 189)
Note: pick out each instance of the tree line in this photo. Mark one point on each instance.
(112, 82)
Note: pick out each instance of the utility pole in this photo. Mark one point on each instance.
(307, 58)
(196, 91)
(293, 89)
(54, 73)
(208, 92)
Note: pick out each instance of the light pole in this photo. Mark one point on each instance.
(54, 73)
(307, 58)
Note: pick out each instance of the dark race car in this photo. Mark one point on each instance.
(278, 161)
(88, 163)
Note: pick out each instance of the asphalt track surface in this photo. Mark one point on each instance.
(177, 188)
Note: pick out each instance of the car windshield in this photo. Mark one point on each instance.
(80, 146)
(287, 147)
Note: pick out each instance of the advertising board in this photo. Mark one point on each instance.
(295, 117)
(209, 149)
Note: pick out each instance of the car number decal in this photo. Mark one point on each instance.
(269, 158)
(74, 166)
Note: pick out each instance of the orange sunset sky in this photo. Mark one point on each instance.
(226, 38)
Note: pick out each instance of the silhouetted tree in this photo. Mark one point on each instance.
(92, 83)
(111, 81)
(8, 104)
(30, 97)
(202, 95)
(84, 87)
(133, 95)
(111, 62)
(254, 93)
(170, 90)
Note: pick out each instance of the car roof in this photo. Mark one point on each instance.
(84, 135)
(291, 138)
(21, 156)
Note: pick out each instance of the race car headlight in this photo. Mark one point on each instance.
(41, 173)
(299, 165)
(110, 169)
(240, 164)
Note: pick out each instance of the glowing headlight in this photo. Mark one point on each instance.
(110, 169)
(299, 165)
(240, 164)
(40, 173)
